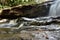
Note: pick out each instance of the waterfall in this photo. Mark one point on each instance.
(55, 9)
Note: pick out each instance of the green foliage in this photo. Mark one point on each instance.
(10, 3)
(14, 2)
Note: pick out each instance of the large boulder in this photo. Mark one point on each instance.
(31, 11)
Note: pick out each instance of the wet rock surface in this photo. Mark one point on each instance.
(29, 31)
(40, 28)
(43, 32)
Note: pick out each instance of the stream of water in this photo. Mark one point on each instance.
(51, 31)
(55, 8)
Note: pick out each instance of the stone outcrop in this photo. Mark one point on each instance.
(30, 11)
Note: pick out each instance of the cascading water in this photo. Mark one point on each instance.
(55, 8)
(49, 25)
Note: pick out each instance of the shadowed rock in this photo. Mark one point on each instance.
(30, 11)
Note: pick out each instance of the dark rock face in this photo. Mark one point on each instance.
(30, 11)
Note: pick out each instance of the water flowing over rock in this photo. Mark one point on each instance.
(26, 28)
(55, 9)
(47, 28)
(43, 32)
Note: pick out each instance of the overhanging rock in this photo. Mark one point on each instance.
(36, 10)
